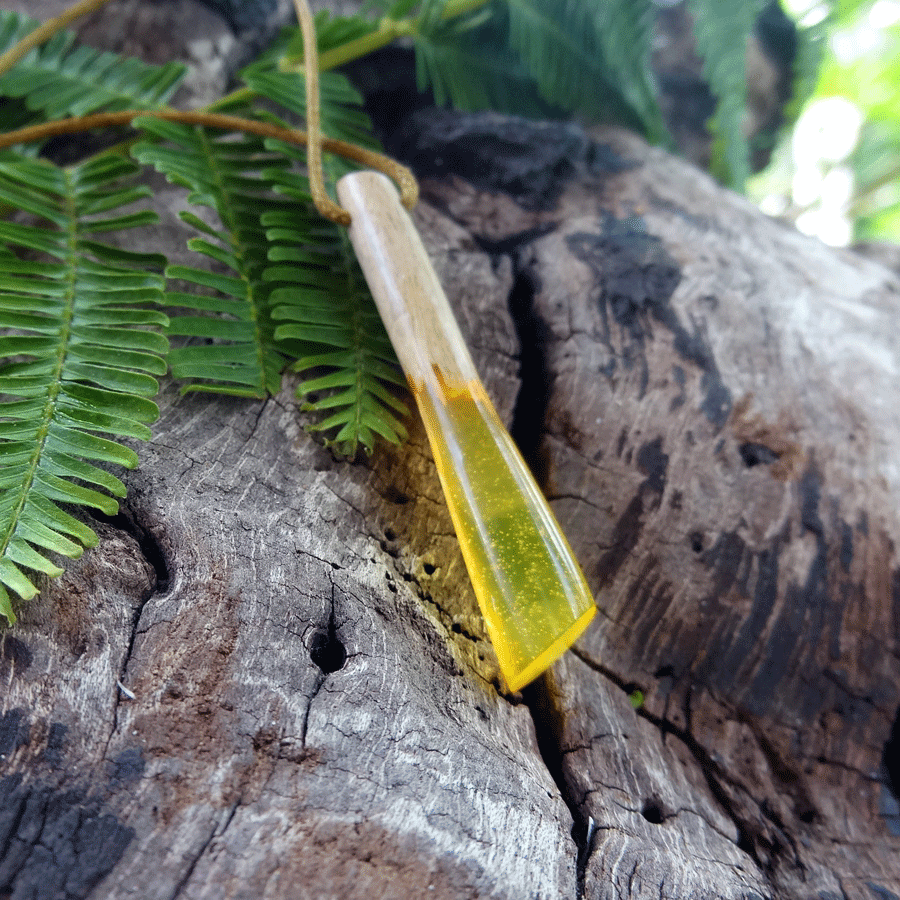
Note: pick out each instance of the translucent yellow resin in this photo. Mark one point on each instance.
(531, 590)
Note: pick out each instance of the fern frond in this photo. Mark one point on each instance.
(430, 14)
(331, 31)
(342, 115)
(79, 347)
(243, 352)
(324, 306)
(590, 57)
(238, 355)
(319, 294)
(60, 79)
(721, 31)
(452, 62)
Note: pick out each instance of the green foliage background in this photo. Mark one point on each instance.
(852, 54)
(871, 80)
(85, 326)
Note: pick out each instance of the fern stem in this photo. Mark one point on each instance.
(456, 8)
(357, 321)
(388, 31)
(44, 32)
(231, 221)
(406, 181)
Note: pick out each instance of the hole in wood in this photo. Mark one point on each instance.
(652, 811)
(327, 651)
(806, 814)
(393, 494)
(756, 454)
(892, 757)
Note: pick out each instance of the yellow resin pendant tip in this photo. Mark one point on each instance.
(516, 681)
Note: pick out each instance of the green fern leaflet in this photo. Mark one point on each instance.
(721, 30)
(324, 305)
(328, 317)
(233, 349)
(273, 261)
(590, 57)
(79, 346)
(60, 79)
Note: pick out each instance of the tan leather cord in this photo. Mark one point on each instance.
(362, 155)
(409, 188)
(324, 204)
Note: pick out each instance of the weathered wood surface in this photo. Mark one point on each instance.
(720, 446)
(710, 401)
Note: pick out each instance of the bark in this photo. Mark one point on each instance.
(707, 397)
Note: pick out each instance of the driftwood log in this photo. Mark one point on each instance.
(708, 398)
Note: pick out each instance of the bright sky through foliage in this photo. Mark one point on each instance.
(839, 175)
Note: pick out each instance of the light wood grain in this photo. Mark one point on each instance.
(407, 291)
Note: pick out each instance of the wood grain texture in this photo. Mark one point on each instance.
(721, 447)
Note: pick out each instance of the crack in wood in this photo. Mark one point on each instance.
(328, 653)
(535, 383)
(217, 831)
(541, 702)
(709, 768)
(128, 522)
(891, 758)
